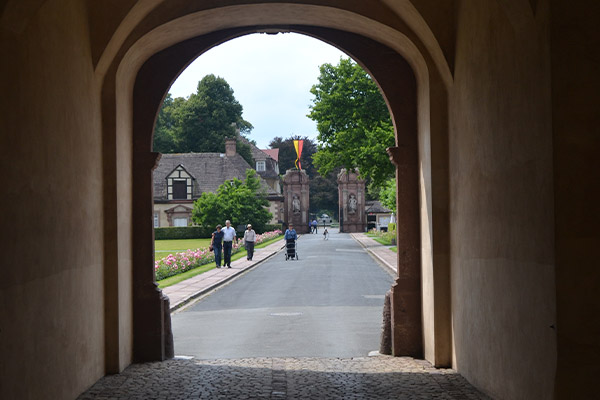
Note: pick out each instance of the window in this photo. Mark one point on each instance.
(156, 220)
(179, 190)
(261, 166)
(180, 221)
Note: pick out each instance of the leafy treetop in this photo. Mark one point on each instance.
(353, 122)
(202, 122)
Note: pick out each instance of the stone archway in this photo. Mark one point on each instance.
(400, 90)
(148, 62)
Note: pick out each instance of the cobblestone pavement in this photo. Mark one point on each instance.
(379, 377)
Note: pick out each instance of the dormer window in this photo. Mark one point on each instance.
(179, 184)
(179, 189)
(261, 166)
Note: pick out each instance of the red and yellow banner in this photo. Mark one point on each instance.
(298, 146)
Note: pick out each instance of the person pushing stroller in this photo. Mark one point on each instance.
(290, 237)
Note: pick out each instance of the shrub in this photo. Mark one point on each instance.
(389, 236)
(273, 227)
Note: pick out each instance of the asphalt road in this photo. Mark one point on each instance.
(327, 304)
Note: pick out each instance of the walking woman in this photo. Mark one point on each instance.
(217, 244)
(250, 240)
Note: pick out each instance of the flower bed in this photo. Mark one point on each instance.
(177, 263)
(267, 236)
(385, 238)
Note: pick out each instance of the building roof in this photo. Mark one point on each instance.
(261, 155)
(209, 171)
(375, 206)
(273, 153)
(257, 153)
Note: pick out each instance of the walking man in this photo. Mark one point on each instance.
(249, 241)
(228, 238)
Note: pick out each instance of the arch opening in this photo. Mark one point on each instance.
(140, 75)
(398, 84)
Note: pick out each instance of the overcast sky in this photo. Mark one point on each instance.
(271, 76)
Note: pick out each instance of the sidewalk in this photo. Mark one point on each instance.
(381, 253)
(185, 291)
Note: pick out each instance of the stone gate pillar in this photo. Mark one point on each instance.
(351, 190)
(296, 205)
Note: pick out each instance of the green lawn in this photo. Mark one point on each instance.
(394, 249)
(163, 248)
(382, 241)
(207, 267)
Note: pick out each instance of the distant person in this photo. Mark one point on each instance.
(325, 234)
(216, 242)
(315, 225)
(228, 239)
(249, 241)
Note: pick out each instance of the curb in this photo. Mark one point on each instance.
(377, 258)
(221, 282)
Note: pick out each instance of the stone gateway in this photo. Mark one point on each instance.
(351, 191)
(296, 203)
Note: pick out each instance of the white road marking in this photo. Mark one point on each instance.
(286, 314)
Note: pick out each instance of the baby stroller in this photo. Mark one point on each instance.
(291, 249)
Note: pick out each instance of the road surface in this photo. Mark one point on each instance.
(327, 304)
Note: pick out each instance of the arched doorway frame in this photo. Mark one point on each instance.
(125, 162)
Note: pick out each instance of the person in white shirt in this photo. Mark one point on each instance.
(228, 238)
(249, 240)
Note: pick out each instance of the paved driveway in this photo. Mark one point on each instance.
(326, 304)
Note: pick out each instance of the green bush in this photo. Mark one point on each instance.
(389, 236)
(183, 232)
(272, 227)
(392, 226)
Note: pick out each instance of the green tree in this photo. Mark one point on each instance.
(353, 122)
(203, 121)
(387, 194)
(242, 202)
(166, 125)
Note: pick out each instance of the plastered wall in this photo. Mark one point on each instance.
(501, 202)
(51, 292)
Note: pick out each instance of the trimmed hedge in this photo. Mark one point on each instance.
(182, 232)
(272, 227)
(196, 232)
